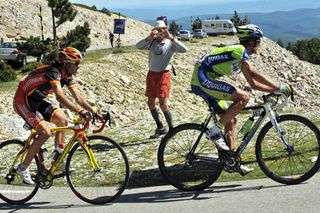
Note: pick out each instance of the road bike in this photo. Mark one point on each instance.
(100, 167)
(286, 149)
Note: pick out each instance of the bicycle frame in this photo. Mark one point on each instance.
(78, 135)
(262, 112)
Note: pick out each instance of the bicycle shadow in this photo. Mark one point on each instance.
(175, 195)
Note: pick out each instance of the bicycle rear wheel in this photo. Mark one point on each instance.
(12, 188)
(98, 186)
(285, 166)
(186, 170)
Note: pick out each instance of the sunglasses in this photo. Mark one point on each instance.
(75, 63)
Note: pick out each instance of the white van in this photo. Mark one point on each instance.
(218, 27)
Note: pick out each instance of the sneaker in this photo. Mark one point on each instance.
(62, 168)
(158, 133)
(25, 174)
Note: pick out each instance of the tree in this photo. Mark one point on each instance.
(78, 38)
(63, 11)
(308, 50)
(217, 17)
(197, 24)
(245, 20)
(280, 43)
(33, 46)
(236, 20)
(174, 28)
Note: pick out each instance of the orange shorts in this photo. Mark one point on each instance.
(158, 84)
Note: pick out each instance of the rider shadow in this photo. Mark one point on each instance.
(32, 205)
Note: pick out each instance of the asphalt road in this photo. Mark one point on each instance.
(258, 196)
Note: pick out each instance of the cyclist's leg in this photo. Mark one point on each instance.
(35, 120)
(43, 132)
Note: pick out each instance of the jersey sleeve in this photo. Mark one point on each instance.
(70, 82)
(245, 56)
(53, 75)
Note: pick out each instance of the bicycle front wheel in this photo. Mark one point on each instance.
(291, 165)
(184, 168)
(12, 188)
(104, 182)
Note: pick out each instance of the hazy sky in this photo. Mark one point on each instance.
(130, 4)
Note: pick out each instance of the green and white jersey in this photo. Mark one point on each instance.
(225, 60)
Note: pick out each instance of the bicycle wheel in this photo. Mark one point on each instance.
(12, 188)
(289, 167)
(181, 168)
(103, 185)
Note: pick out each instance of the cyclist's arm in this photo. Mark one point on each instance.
(80, 99)
(257, 80)
(62, 98)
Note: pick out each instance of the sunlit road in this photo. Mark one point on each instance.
(256, 196)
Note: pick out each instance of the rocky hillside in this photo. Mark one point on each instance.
(116, 82)
(20, 17)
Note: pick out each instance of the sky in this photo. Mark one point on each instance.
(148, 9)
(130, 4)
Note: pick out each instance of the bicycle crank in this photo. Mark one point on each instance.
(45, 179)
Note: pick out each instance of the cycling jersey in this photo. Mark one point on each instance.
(32, 90)
(222, 61)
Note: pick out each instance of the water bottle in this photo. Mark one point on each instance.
(247, 126)
(56, 152)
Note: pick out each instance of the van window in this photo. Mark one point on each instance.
(225, 25)
(230, 26)
(212, 25)
(219, 25)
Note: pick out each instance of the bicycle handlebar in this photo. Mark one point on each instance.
(100, 119)
(275, 97)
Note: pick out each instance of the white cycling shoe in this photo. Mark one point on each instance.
(25, 174)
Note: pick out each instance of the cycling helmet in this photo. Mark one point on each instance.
(249, 32)
(69, 54)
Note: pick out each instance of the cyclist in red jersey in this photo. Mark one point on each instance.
(29, 102)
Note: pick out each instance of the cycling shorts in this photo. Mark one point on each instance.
(35, 115)
(218, 93)
(158, 84)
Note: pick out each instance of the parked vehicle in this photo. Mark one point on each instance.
(185, 35)
(9, 52)
(218, 27)
(200, 33)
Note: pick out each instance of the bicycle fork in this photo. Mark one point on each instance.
(90, 155)
(272, 116)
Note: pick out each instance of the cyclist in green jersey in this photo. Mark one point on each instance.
(227, 99)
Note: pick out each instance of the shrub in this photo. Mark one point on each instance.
(30, 67)
(6, 73)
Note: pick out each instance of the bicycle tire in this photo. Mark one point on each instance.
(15, 192)
(181, 169)
(274, 159)
(98, 187)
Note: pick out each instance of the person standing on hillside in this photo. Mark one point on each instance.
(161, 45)
(111, 38)
(226, 99)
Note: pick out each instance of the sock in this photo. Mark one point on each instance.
(168, 117)
(155, 115)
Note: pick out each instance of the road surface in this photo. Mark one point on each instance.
(263, 195)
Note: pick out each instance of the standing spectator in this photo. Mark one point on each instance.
(111, 37)
(161, 45)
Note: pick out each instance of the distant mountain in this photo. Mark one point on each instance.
(285, 25)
